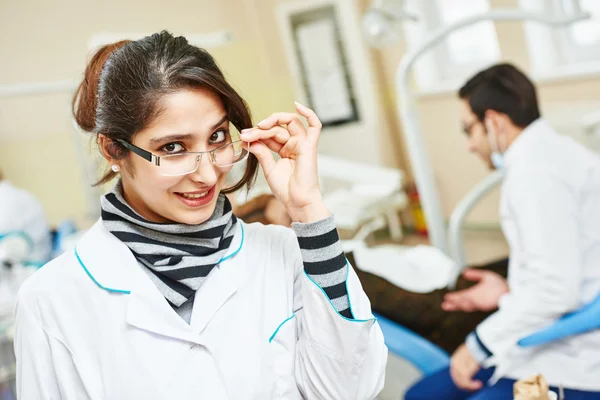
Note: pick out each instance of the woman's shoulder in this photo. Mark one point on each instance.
(271, 229)
(271, 235)
(55, 277)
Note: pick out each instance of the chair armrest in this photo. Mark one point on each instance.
(581, 321)
(420, 352)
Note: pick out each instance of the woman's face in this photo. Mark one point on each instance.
(191, 120)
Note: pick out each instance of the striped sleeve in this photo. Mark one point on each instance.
(324, 260)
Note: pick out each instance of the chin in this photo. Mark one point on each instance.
(196, 219)
(488, 162)
(195, 216)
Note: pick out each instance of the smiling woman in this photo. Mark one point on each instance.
(169, 285)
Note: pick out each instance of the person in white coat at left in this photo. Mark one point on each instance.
(169, 295)
(23, 217)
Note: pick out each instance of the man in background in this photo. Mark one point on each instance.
(550, 216)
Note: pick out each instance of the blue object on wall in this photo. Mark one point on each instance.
(406, 344)
(64, 229)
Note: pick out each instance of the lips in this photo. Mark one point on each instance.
(196, 199)
(193, 196)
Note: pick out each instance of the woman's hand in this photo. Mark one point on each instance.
(293, 178)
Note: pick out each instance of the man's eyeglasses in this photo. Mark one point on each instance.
(468, 127)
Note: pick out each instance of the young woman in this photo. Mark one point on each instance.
(169, 296)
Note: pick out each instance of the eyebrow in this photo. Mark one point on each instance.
(186, 136)
(225, 117)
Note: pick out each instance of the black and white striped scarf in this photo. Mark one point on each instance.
(179, 257)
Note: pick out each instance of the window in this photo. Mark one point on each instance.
(475, 44)
(584, 33)
(574, 48)
(581, 40)
(458, 55)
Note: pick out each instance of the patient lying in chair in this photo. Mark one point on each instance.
(423, 312)
(419, 312)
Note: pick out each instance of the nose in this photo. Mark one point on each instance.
(206, 173)
(471, 147)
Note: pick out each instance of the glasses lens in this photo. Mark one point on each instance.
(231, 153)
(178, 164)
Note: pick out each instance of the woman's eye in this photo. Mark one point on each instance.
(172, 148)
(218, 136)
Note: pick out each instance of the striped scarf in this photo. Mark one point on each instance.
(178, 257)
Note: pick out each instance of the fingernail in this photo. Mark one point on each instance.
(261, 123)
(299, 105)
(245, 132)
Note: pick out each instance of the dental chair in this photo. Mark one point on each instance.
(364, 197)
(367, 198)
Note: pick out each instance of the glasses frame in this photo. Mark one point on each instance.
(154, 159)
(469, 127)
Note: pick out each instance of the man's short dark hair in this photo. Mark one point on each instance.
(505, 89)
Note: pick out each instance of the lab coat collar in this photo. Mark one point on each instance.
(527, 138)
(112, 266)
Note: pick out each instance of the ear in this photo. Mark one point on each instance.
(493, 120)
(108, 148)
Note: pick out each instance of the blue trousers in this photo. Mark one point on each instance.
(440, 386)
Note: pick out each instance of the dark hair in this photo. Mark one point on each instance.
(502, 88)
(125, 81)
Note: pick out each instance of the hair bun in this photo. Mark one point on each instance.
(85, 98)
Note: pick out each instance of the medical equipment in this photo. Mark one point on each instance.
(14, 247)
(458, 217)
(363, 197)
(423, 354)
(372, 201)
(14, 269)
(407, 108)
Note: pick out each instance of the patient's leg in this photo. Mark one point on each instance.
(422, 313)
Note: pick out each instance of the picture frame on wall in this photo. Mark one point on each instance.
(322, 63)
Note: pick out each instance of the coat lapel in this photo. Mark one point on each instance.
(112, 266)
(221, 284)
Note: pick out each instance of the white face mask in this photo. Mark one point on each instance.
(497, 155)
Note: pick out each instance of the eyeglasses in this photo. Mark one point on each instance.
(467, 128)
(187, 162)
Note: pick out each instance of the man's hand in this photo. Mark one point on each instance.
(463, 368)
(484, 296)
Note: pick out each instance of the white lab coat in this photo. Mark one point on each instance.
(550, 211)
(98, 328)
(20, 211)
